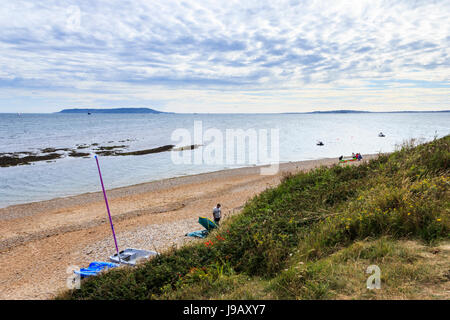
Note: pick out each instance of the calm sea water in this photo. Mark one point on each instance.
(341, 133)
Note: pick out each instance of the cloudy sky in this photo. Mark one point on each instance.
(225, 56)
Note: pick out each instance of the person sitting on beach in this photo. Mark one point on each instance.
(353, 155)
(359, 156)
(341, 157)
(217, 214)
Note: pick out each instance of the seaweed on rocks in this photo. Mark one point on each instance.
(147, 151)
(73, 153)
(105, 148)
(105, 153)
(51, 150)
(190, 147)
(14, 160)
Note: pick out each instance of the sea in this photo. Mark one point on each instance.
(288, 137)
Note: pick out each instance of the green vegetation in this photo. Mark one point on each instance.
(312, 237)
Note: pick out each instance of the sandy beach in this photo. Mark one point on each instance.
(40, 240)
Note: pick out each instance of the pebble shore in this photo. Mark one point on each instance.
(155, 237)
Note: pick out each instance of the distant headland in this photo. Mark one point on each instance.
(115, 110)
(358, 111)
(153, 111)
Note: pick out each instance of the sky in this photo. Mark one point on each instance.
(225, 56)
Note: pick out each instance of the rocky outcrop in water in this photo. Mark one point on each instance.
(50, 154)
(16, 160)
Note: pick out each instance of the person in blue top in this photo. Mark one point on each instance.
(217, 214)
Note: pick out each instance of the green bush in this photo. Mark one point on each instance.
(309, 215)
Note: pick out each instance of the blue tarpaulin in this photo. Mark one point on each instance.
(198, 234)
(94, 268)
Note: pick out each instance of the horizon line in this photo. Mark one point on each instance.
(282, 112)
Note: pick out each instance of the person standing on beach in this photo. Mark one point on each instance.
(217, 214)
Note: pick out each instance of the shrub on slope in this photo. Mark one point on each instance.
(309, 215)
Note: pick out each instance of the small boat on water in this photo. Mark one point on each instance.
(381, 134)
(319, 143)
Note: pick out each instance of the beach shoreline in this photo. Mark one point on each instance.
(44, 238)
(28, 208)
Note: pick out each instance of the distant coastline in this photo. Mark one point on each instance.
(114, 110)
(153, 111)
(358, 111)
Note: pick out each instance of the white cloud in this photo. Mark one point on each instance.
(99, 53)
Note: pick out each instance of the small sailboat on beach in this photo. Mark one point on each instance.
(129, 256)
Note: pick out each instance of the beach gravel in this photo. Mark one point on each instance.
(155, 237)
